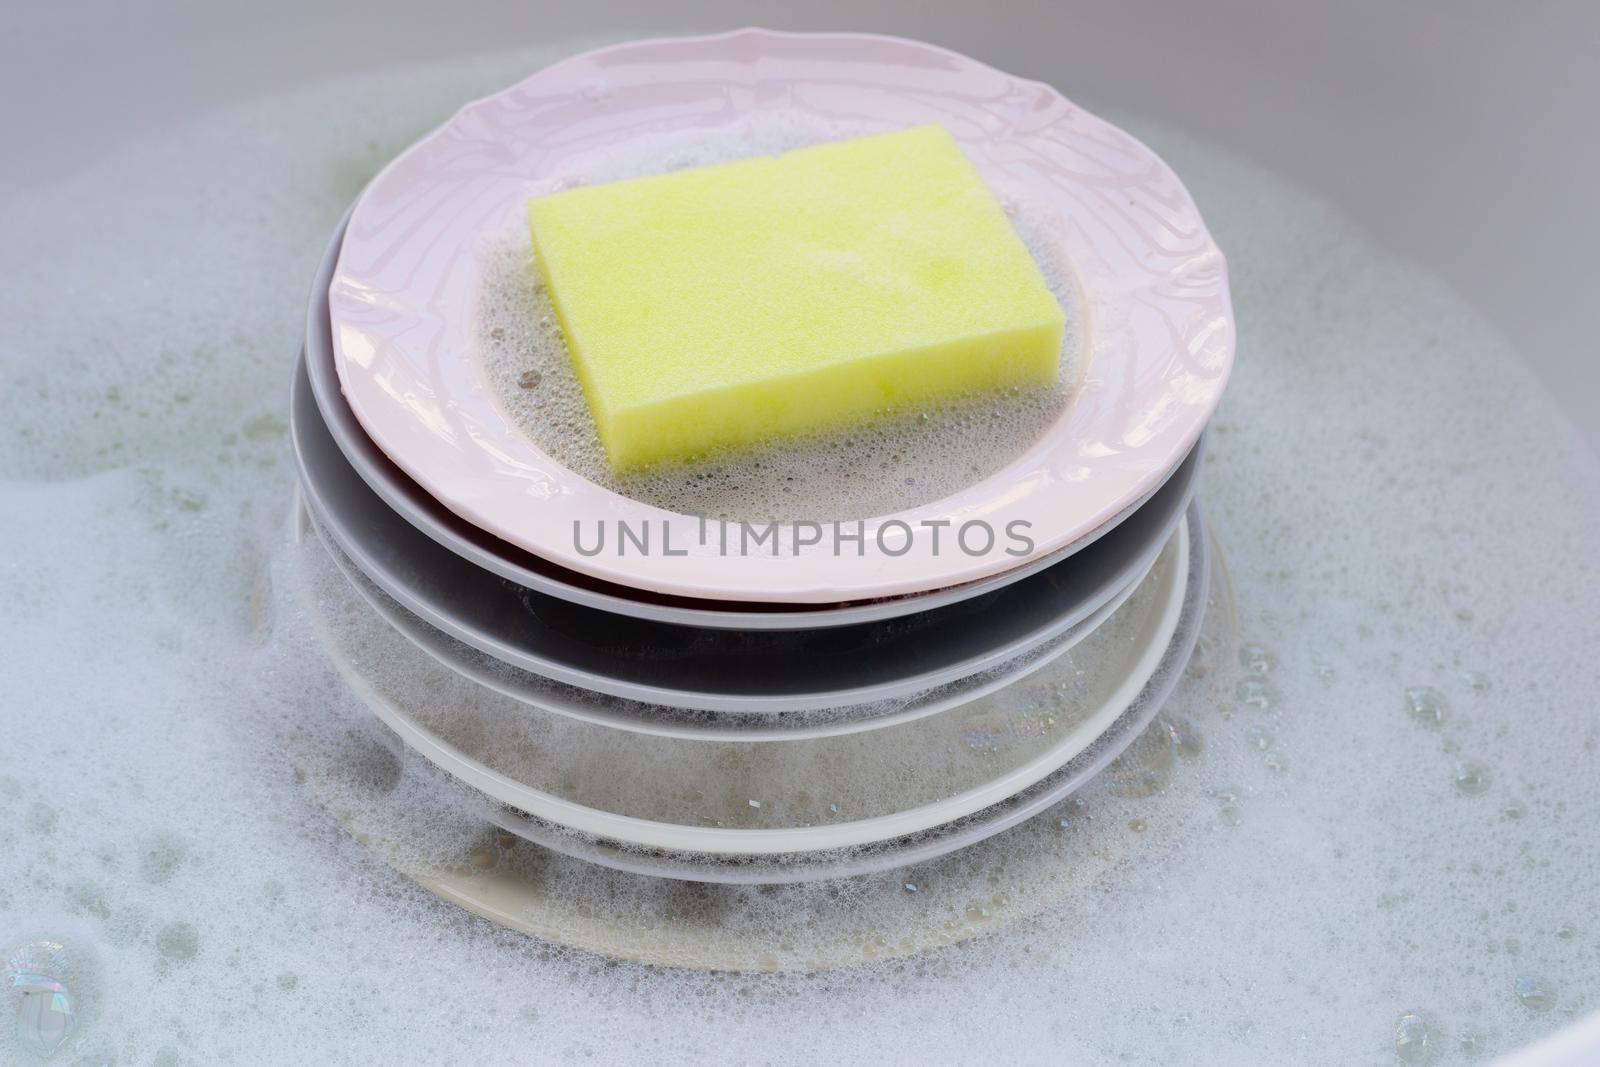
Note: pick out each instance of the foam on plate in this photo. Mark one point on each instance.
(1379, 816)
(891, 463)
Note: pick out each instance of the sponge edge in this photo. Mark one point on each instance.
(717, 307)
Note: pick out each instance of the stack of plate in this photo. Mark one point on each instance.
(753, 716)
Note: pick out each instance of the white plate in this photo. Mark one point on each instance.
(408, 500)
(1035, 763)
(586, 705)
(716, 670)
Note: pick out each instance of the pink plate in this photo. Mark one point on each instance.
(1159, 334)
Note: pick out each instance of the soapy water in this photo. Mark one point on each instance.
(1403, 513)
(892, 462)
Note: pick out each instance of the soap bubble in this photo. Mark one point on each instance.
(1255, 693)
(1426, 705)
(46, 980)
(1257, 659)
(1472, 777)
(1413, 1041)
(1534, 993)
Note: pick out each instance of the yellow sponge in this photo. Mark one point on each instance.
(729, 304)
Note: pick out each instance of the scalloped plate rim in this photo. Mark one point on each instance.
(809, 577)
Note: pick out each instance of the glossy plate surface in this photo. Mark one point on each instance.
(1159, 329)
(413, 504)
(588, 706)
(716, 670)
(555, 773)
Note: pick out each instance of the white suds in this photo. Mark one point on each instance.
(1296, 866)
(893, 462)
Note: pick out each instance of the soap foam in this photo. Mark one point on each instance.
(895, 461)
(1284, 871)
